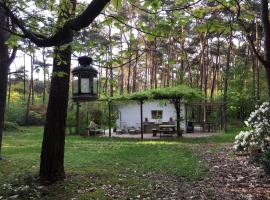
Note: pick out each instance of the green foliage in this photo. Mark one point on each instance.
(15, 112)
(265, 161)
(10, 126)
(117, 4)
(35, 118)
(71, 120)
(12, 41)
(179, 92)
(96, 115)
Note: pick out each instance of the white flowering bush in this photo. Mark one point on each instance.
(259, 125)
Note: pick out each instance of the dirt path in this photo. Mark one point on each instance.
(230, 178)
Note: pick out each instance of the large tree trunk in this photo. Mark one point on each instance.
(4, 67)
(5, 62)
(257, 70)
(52, 154)
(266, 30)
(226, 77)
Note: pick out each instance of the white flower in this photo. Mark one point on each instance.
(259, 122)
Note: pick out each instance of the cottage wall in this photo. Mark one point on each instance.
(129, 113)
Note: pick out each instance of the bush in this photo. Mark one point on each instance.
(265, 161)
(15, 112)
(10, 126)
(259, 129)
(71, 121)
(35, 118)
(255, 140)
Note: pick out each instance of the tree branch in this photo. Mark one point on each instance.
(62, 36)
(12, 55)
(167, 10)
(242, 24)
(132, 27)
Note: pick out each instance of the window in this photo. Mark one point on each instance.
(75, 83)
(85, 82)
(156, 114)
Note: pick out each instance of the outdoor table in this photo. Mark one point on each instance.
(167, 129)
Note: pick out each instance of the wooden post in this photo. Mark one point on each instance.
(78, 118)
(177, 105)
(141, 106)
(110, 119)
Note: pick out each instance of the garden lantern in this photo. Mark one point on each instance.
(84, 84)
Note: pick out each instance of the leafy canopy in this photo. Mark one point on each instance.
(178, 92)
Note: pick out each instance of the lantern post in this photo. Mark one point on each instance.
(84, 85)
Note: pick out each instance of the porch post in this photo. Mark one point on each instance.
(141, 108)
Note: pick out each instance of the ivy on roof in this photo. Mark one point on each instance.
(178, 92)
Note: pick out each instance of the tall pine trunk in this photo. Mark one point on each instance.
(266, 31)
(226, 77)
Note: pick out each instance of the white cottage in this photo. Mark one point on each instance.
(154, 112)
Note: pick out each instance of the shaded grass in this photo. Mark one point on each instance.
(98, 163)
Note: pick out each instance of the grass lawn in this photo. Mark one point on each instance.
(98, 168)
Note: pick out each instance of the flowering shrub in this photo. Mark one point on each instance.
(259, 125)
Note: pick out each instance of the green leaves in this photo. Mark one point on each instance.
(117, 4)
(59, 74)
(12, 41)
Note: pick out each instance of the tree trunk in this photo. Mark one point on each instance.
(24, 78)
(4, 68)
(122, 67)
(5, 61)
(110, 65)
(52, 154)
(129, 70)
(9, 88)
(216, 68)
(257, 70)
(226, 77)
(28, 104)
(44, 77)
(134, 79)
(266, 30)
(32, 80)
